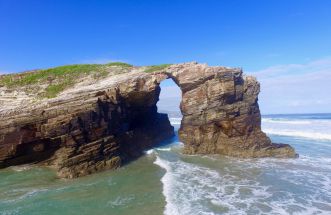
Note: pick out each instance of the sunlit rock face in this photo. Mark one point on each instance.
(101, 125)
(221, 113)
(86, 129)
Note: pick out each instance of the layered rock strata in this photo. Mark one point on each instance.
(221, 113)
(98, 126)
(86, 130)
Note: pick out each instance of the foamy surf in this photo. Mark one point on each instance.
(303, 134)
(175, 121)
(149, 152)
(163, 149)
(284, 121)
(20, 168)
(263, 186)
(152, 151)
(17, 195)
(121, 201)
(315, 129)
(167, 182)
(192, 189)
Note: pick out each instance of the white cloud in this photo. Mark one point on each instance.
(323, 64)
(296, 88)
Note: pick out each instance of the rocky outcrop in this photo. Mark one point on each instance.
(101, 125)
(88, 129)
(221, 113)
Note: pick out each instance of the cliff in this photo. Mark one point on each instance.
(108, 116)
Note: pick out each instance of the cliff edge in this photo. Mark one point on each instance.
(81, 120)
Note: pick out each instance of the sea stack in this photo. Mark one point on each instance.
(98, 123)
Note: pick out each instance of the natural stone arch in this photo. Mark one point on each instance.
(221, 113)
(103, 125)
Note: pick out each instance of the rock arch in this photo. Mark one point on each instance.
(221, 113)
(101, 126)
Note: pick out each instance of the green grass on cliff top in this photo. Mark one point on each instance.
(68, 71)
(156, 68)
(58, 78)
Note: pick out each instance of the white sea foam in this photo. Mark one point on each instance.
(171, 207)
(293, 133)
(316, 129)
(12, 211)
(286, 121)
(164, 149)
(155, 150)
(149, 152)
(16, 195)
(121, 201)
(288, 186)
(21, 168)
(175, 121)
(304, 128)
(193, 189)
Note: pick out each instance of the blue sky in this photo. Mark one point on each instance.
(286, 44)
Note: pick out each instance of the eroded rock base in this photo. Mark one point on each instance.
(221, 114)
(101, 125)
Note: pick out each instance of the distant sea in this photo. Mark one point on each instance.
(164, 181)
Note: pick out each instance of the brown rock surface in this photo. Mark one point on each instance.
(221, 114)
(86, 129)
(101, 125)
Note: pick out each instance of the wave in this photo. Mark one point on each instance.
(16, 195)
(21, 168)
(303, 134)
(151, 151)
(325, 122)
(193, 189)
(299, 116)
(316, 129)
(121, 201)
(175, 121)
(164, 149)
(179, 189)
(286, 121)
(292, 121)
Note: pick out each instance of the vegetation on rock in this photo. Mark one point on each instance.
(48, 83)
(119, 64)
(59, 78)
(156, 68)
(112, 122)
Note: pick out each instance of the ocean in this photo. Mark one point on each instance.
(164, 181)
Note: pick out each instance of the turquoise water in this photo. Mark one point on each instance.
(166, 182)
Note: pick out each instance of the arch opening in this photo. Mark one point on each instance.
(169, 102)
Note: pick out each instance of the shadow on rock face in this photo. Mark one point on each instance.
(111, 122)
